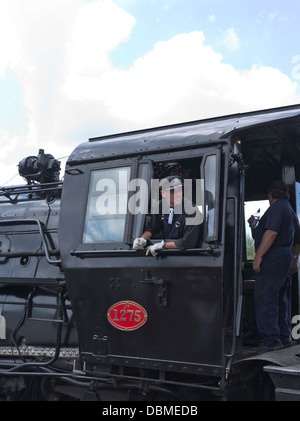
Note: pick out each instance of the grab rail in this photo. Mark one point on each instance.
(40, 226)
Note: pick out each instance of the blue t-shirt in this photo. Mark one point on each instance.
(281, 218)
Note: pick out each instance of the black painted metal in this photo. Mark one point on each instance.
(193, 298)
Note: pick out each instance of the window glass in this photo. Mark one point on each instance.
(210, 195)
(140, 199)
(298, 199)
(252, 208)
(107, 206)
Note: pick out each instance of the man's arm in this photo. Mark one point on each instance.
(147, 235)
(265, 245)
(170, 245)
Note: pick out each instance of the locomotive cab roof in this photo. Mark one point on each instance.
(270, 126)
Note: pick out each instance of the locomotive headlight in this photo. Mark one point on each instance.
(43, 168)
(28, 166)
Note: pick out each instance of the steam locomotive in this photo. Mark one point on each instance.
(83, 316)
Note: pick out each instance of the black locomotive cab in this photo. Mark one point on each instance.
(167, 290)
(182, 312)
(166, 326)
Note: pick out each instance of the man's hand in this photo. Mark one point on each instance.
(139, 243)
(256, 263)
(154, 248)
(294, 268)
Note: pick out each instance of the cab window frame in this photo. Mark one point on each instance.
(91, 168)
(132, 227)
(207, 238)
(202, 154)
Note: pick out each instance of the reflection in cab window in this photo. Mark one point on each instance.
(298, 200)
(107, 206)
(210, 195)
(252, 208)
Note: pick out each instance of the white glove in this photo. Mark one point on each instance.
(154, 248)
(139, 243)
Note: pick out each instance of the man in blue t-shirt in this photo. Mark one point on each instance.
(277, 243)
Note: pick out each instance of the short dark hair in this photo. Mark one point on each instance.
(279, 190)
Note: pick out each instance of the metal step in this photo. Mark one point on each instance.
(286, 381)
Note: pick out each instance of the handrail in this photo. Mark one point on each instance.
(126, 253)
(233, 347)
(40, 226)
(28, 253)
(30, 188)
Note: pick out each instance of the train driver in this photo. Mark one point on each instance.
(178, 221)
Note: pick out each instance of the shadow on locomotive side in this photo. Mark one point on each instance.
(83, 316)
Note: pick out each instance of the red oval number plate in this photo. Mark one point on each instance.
(127, 315)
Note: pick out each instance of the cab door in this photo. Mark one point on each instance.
(133, 310)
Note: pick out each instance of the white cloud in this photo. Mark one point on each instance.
(274, 17)
(231, 40)
(296, 67)
(47, 44)
(72, 91)
(98, 29)
(9, 40)
(184, 79)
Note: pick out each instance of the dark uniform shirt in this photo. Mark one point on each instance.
(281, 218)
(184, 235)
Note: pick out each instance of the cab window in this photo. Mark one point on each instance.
(252, 207)
(201, 186)
(210, 170)
(298, 200)
(107, 206)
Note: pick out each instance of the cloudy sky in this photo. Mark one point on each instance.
(75, 69)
